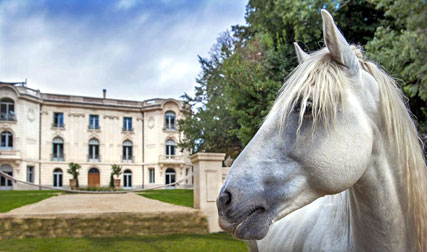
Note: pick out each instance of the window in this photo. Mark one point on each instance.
(127, 179)
(30, 174)
(57, 178)
(6, 142)
(127, 151)
(170, 120)
(151, 173)
(57, 149)
(58, 120)
(170, 177)
(187, 170)
(170, 148)
(7, 109)
(94, 149)
(127, 124)
(4, 182)
(93, 122)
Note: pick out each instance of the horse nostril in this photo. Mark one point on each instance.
(224, 200)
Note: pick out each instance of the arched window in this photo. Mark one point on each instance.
(57, 178)
(127, 151)
(127, 179)
(7, 108)
(6, 142)
(58, 149)
(94, 150)
(6, 184)
(170, 176)
(170, 120)
(170, 148)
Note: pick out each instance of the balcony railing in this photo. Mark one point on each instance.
(170, 128)
(7, 117)
(128, 159)
(127, 129)
(93, 127)
(57, 125)
(171, 158)
(57, 157)
(93, 158)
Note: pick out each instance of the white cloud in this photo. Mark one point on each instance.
(149, 53)
(125, 4)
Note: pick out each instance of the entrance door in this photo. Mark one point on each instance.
(127, 177)
(6, 184)
(170, 176)
(93, 179)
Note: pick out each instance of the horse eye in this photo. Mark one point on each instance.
(308, 107)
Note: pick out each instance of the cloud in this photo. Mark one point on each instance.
(125, 4)
(148, 51)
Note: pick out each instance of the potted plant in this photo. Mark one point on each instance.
(116, 171)
(74, 171)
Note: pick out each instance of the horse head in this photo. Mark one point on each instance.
(317, 140)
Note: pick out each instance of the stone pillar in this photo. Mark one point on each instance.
(207, 183)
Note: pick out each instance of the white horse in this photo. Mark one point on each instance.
(336, 166)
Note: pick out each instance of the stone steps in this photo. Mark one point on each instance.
(101, 225)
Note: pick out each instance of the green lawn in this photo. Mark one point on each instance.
(14, 199)
(182, 197)
(176, 242)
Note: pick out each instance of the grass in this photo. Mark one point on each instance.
(181, 197)
(14, 199)
(176, 242)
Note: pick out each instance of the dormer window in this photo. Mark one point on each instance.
(170, 118)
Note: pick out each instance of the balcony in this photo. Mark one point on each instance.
(94, 128)
(58, 126)
(170, 129)
(7, 117)
(171, 159)
(94, 158)
(57, 157)
(10, 155)
(127, 130)
(128, 159)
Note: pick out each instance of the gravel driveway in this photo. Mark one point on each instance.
(96, 204)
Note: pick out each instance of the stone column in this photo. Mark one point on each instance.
(207, 183)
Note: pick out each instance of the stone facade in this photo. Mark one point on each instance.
(51, 130)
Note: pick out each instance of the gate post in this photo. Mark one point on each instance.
(207, 183)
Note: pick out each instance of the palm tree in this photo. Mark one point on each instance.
(74, 171)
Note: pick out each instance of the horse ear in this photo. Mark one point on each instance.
(300, 53)
(336, 43)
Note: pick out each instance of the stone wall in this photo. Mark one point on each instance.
(101, 225)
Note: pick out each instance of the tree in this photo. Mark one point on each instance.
(74, 171)
(400, 46)
(116, 170)
(246, 68)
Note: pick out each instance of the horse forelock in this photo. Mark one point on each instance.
(320, 82)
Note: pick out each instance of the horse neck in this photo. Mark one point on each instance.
(378, 206)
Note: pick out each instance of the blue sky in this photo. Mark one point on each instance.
(136, 49)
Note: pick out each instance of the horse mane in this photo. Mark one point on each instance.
(319, 83)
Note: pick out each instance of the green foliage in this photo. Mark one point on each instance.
(13, 199)
(74, 171)
(181, 197)
(247, 67)
(116, 170)
(111, 180)
(400, 46)
(173, 242)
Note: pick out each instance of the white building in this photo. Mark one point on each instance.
(42, 133)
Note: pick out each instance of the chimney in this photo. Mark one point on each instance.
(104, 92)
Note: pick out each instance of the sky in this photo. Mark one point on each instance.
(136, 49)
